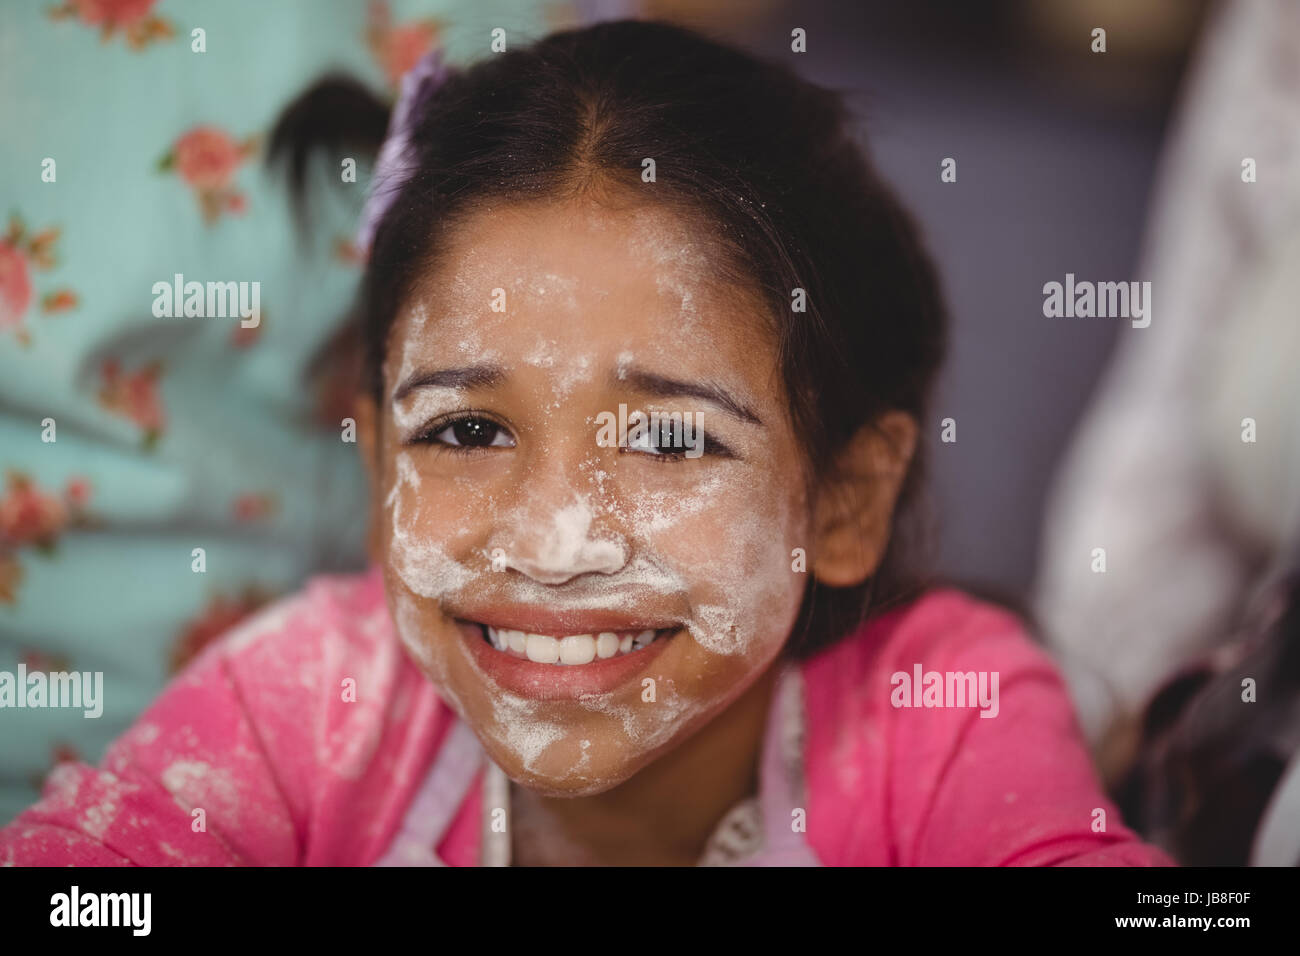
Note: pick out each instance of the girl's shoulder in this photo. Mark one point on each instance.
(297, 738)
(329, 612)
(939, 733)
(942, 630)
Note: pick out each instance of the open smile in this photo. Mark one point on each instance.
(528, 660)
(570, 649)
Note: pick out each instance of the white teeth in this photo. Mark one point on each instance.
(542, 649)
(577, 649)
(574, 649)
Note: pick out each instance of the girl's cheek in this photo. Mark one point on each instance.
(429, 542)
(416, 622)
(731, 542)
(425, 560)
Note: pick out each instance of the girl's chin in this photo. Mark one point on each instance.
(564, 782)
(570, 789)
(559, 777)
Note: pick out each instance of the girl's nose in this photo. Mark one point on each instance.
(563, 548)
(555, 534)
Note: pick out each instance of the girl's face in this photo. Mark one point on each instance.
(586, 595)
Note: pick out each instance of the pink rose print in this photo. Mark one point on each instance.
(220, 614)
(397, 48)
(206, 160)
(38, 660)
(254, 506)
(60, 301)
(132, 18)
(30, 517)
(134, 396)
(242, 337)
(15, 286)
(346, 252)
(78, 492)
(20, 254)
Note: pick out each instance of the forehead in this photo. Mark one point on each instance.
(579, 281)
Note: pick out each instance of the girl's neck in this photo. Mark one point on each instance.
(665, 814)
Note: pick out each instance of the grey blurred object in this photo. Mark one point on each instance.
(1189, 514)
(1277, 842)
(1055, 160)
(1215, 781)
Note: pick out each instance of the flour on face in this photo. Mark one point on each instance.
(542, 526)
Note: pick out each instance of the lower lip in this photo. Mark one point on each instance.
(557, 681)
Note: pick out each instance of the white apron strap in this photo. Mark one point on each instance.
(435, 807)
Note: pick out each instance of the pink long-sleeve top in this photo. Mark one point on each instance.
(257, 734)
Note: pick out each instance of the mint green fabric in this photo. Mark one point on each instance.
(171, 434)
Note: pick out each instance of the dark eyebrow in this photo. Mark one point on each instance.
(661, 386)
(470, 376)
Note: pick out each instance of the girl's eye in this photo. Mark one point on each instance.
(666, 443)
(471, 432)
(673, 443)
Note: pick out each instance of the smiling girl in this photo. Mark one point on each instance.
(577, 650)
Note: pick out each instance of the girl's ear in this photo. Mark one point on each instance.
(853, 514)
(366, 412)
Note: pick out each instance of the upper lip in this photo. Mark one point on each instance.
(558, 622)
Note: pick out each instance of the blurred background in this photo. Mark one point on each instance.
(1121, 163)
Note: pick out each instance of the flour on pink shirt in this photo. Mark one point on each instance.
(253, 757)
